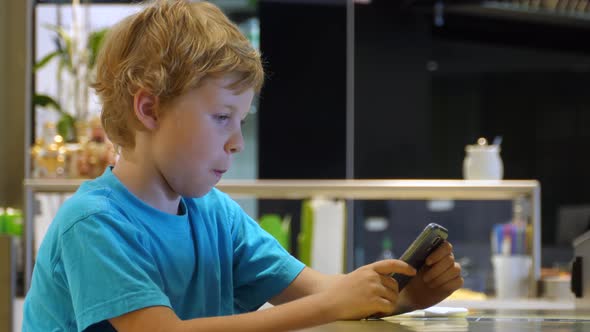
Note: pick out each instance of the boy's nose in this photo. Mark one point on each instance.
(235, 143)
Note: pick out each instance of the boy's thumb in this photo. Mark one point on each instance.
(389, 266)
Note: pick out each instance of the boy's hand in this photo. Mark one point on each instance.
(438, 279)
(367, 291)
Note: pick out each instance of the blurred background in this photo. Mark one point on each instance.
(355, 90)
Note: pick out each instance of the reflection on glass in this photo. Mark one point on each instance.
(516, 324)
(433, 324)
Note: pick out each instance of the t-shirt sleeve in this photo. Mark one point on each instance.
(262, 268)
(108, 270)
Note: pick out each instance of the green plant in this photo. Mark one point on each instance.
(79, 64)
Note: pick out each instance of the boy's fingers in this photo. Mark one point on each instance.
(389, 266)
(445, 249)
(453, 284)
(439, 268)
(386, 307)
(452, 273)
(388, 294)
(390, 283)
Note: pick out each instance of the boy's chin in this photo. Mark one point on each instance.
(196, 192)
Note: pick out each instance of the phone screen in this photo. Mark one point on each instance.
(431, 238)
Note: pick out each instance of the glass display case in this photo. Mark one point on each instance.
(439, 193)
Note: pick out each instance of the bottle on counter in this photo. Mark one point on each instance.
(13, 226)
(13, 222)
(386, 249)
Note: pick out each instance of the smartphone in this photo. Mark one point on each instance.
(431, 238)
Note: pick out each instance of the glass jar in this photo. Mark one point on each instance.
(483, 162)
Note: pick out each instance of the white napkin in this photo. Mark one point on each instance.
(437, 312)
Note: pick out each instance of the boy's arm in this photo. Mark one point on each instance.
(311, 282)
(307, 312)
(308, 282)
(369, 290)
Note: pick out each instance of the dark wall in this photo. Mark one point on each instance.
(303, 103)
(392, 93)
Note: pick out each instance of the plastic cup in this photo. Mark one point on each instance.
(511, 276)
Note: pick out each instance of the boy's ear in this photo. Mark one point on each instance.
(145, 106)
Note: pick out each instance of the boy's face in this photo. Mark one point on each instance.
(197, 135)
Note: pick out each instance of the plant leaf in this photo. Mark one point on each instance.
(46, 101)
(65, 127)
(95, 40)
(65, 41)
(45, 60)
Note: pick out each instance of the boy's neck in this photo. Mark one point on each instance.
(147, 184)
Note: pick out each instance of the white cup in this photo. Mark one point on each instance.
(511, 276)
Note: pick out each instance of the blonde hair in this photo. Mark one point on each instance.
(167, 49)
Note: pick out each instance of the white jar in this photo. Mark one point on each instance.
(482, 162)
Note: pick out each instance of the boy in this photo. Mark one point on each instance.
(150, 245)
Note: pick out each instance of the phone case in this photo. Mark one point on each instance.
(431, 238)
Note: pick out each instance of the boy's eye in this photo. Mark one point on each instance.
(222, 117)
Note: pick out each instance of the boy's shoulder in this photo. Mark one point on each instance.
(100, 197)
(92, 198)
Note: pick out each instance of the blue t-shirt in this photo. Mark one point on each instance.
(108, 253)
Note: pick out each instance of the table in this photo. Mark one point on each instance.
(478, 321)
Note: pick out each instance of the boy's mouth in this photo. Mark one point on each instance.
(219, 172)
